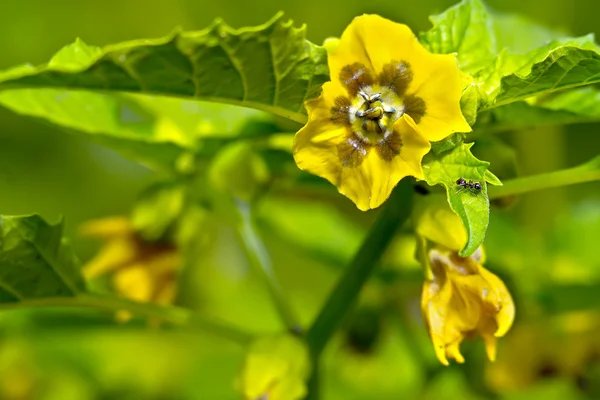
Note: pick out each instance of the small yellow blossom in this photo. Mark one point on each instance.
(460, 297)
(142, 271)
(436, 222)
(463, 298)
(387, 99)
(276, 368)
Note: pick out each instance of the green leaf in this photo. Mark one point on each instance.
(158, 131)
(464, 29)
(558, 65)
(472, 206)
(509, 58)
(271, 67)
(571, 106)
(35, 261)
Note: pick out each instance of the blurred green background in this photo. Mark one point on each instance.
(544, 244)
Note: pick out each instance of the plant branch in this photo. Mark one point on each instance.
(345, 294)
(259, 258)
(171, 314)
(588, 172)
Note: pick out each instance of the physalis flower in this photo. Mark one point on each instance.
(460, 297)
(141, 271)
(387, 99)
(463, 298)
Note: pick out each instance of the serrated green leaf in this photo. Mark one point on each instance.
(271, 67)
(447, 144)
(35, 261)
(492, 179)
(472, 206)
(469, 102)
(558, 65)
(572, 106)
(466, 29)
(508, 57)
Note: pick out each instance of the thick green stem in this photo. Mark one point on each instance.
(259, 258)
(587, 172)
(396, 210)
(171, 314)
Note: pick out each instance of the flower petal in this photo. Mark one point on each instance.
(434, 315)
(453, 351)
(436, 222)
(135, 283)
(442, 115)
(435, 85)
(374, 41)
(115, 254)
(107, 227)
(506, 314)
(370, 174)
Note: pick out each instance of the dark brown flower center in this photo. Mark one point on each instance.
(371, 108)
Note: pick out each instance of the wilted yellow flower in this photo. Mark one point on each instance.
(387, 98)
(463, 298)
(142, 271)
(276, 368)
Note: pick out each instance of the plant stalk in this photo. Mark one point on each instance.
(588, 172)
(341, 300)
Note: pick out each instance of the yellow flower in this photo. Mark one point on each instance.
(436, 222)
(461, 298)
(387, 98)
(142, 271)
(276, 368)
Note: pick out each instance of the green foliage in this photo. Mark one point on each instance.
(35, 261)
(269, 67)
(561, 64)
(464, 29)
(158, 209)
(512, 70)
(572, 106)
(239, 171)
(161, 132)
(216, 110)
(473, 207)
(510, 59)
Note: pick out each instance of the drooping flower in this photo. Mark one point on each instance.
(387, 99)
(276, 368)
(462, 298)
(141, 271)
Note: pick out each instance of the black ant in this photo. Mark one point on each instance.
(464, 184)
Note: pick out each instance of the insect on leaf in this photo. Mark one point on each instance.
(471, 205)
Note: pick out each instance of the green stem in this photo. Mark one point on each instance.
(174, 315)
(587, 172)
(259, 258)
(345, 294)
